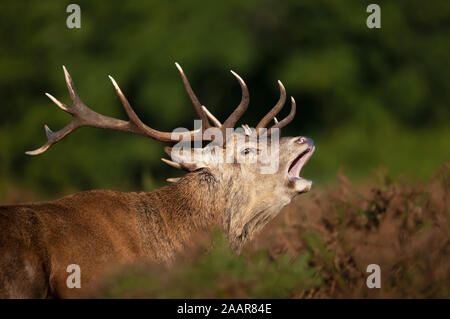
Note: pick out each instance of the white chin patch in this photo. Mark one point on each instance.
(302, 185)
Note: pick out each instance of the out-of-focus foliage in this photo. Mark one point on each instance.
(321, 247)
(368, 97)
(217, 274)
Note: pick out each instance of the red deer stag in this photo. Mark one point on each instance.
(102, 229)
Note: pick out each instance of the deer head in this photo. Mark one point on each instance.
(254, 172)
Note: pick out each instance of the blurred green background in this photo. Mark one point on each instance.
(369, 98)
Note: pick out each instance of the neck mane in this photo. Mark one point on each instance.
(178, 212)
(197, 203)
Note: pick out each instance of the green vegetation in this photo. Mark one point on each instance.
(369, 98)
(219, 274)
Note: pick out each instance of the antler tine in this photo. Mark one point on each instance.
(274, 111)
(287, 119)
(212, 117)
(242, 107)
(135, 120)
(181, 165)
(84, 116)
(126, 105)
(53, 137)
(197, 105)
(171, 163)
(71, 88)
(61, 105)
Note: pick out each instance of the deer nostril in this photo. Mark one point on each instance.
(301, 140)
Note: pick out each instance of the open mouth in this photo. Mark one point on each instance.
(297, 164)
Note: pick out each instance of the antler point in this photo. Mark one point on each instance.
(38, 151)
(113, 82)
(171, 163)
(173, 180)
(238, 78)
(48, 132)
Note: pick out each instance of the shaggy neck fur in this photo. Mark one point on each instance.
(184, 212)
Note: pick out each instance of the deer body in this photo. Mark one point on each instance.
(102, 230)
(97, 230)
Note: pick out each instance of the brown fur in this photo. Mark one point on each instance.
(38, 241)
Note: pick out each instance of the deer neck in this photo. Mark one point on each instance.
(199, 202)
(193, 202)
(179, 212)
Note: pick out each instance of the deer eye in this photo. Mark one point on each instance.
(247, 151)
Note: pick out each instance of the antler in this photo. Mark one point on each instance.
(274, 111)
(287, 119)
(197, 105)
(242, 107)
(203, 112)
(84, 116)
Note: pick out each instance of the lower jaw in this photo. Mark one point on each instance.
(301, 185)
